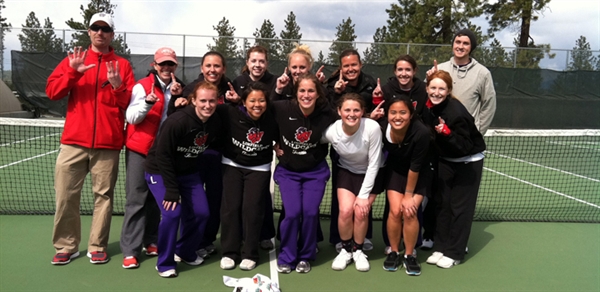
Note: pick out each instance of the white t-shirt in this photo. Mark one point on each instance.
(360, 153)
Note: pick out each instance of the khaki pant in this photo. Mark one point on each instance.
(72, 165)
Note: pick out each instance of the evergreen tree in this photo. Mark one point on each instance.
(38, 39)
(4, 27)
(495, 56)
(581, 56)
(320, 58)
(345, 38)
(429, 22)
(225, 43)
(509, 13)
(290, 35)
(266, 37)
(81, 37)
(530, 56)
(377, 52)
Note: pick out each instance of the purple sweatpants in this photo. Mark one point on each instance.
(192, 213)
(301, 193)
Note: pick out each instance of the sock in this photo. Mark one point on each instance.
(347, 245)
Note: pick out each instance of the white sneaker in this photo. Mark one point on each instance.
(172, 273)
(247, 264)
(227, 263)
(446, 263)
(176, 258)
(434, 258)
(360, 260)
(427, 244)
(198, 261)
(341, 261)
(387, 250)
(338, 247)
(367, 245)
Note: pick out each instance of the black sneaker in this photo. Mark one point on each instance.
(392, 261)
(412, 265)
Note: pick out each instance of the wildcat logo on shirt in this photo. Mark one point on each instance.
(302, 136)
(252, 146)
(198, 146)
(254, 135)
(415, 104)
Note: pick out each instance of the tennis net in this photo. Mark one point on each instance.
(529, 175)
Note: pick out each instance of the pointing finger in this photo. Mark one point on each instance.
(341, 76)
(378, 83)
(152, 89)
(173, 78)
(378, 107)
(285, 71)
(441, 120)
(230, 87)
(320, 69)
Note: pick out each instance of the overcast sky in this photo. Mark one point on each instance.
(560, 25)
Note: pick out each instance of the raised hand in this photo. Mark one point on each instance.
(176, 88)
(112, 74)
(152, 98)
(320, 75)
(181, 101)
(340, 85)
(442, 128)
(282, 81)
(77, 59)
(377, 93)
(231, 95)
(378, 112)
(432, 70)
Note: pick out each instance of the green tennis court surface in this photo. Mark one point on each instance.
(504, 256)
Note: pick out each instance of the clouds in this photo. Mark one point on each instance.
(560, 25)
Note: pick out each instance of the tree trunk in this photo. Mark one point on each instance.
(525, 23)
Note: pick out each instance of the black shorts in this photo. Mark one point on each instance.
(397, 182)
(353, 182)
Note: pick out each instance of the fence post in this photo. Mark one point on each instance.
(567, 61)
(64, 41)
(407, 49)
(183, 65)
(515, 58)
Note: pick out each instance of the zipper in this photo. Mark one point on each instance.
(96, 102)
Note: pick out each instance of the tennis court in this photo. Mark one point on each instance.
(530, 175)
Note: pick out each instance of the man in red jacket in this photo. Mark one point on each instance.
(98, 83)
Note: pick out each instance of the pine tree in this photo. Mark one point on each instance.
(429, 22)
(225, 43)
(266, 37)
(345, 38)
(377, 52)
(495, 56)
(38, 39)
(581, 56)
(509, 13)
(320, 59)
(81, 37)
(530, 56)
(290, 35)
(4, 27)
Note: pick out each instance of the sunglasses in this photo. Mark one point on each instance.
(167, 63)
(96, 28)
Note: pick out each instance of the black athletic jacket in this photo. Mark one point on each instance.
(240, 82)
(417, 94)
(464, 138)
(246, 141)
(365, 87)
(414, 152)
(300, 136)
(182, 139)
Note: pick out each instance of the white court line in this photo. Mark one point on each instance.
(543, 166)
(543, 188)
(34, 138)
(273, 264)
(574, 146)
(26, 159)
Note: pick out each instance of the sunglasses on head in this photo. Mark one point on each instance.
(167, 63)
(106, 29)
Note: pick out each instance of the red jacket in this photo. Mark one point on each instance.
(139, 137)
(95, 111)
